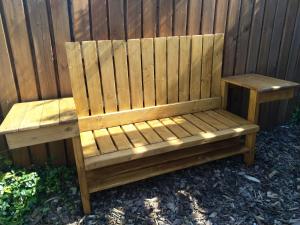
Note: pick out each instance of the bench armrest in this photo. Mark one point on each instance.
(262, 89)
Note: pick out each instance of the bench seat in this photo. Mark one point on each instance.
(119, 144)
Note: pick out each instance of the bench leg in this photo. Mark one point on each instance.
(85, 195)
(250, 143)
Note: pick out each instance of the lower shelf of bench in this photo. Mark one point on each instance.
(112, 176)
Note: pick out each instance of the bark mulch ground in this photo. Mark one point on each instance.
(221, 192)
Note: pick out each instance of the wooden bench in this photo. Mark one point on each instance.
(140, 102)
(143, 108)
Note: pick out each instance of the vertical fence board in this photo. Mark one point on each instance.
(61, 33)
(81, 20)
(9, 94)
(165, 18)
(134, 18)
(286, 42)
(149, 18)
(99, 19)
(19, 41)
(194, 17)
(208, 14)
(231, 37)
(255, 33)
(220, 16)
(180, 17)
(116, 19)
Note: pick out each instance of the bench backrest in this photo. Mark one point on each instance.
(110, 76)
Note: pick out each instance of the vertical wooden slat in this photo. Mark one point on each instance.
(217, 65)
(194, 17)
(165, 18)
(148, 71)
(287, 38)
(121, 72)
(99, 19)
(107, 76)
(135, 73)
(243, 36)
(90, 57)
(9, 94)
(293, 70)
(38, 18)
(255, 33)
(184, 68)
(172, 68)
(220, 16)
(207, 60)
(61, 31)
(19, 41)
(134, 18)
(149, 18)
(180, 17)
(266, 36)
(196, 67)
(208, 15)
(231, 36)
(37, 12)
(116, 19)
(161, 70)
(262, 62)
(285, 49)
(61, 34)
(276, 36)
(81, 20)
(77, 78)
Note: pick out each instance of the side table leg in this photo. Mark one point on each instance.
(253, 111)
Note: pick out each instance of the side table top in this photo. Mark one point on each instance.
(37, 114)
(259, 82)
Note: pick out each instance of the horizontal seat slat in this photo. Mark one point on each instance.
(166, 146)
(153, 137)
(119, 138)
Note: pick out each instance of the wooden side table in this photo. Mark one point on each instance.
(37, 122)
(262, 89)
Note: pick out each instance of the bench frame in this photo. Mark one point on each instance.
(92, 179)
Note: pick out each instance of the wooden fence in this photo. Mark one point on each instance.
(262, 36)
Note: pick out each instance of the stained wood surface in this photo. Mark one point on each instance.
(117, 75)
(243, 22)
(260, 83)
(38, 114)
(153, 137)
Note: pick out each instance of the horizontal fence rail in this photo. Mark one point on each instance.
(261, 36)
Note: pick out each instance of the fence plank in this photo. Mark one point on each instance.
(165, 18)
(116, 19)
(180, 17)
(285, 48)
(231, 37)
(99, 19)
(134, 18)
(194, 17)
(243, 36)
(149, 18)
(255, 33)
(19, 41)
(220, 16)
(81, 20)
(40, 30)
(208, 15)
(61, 34)
(9, 94)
